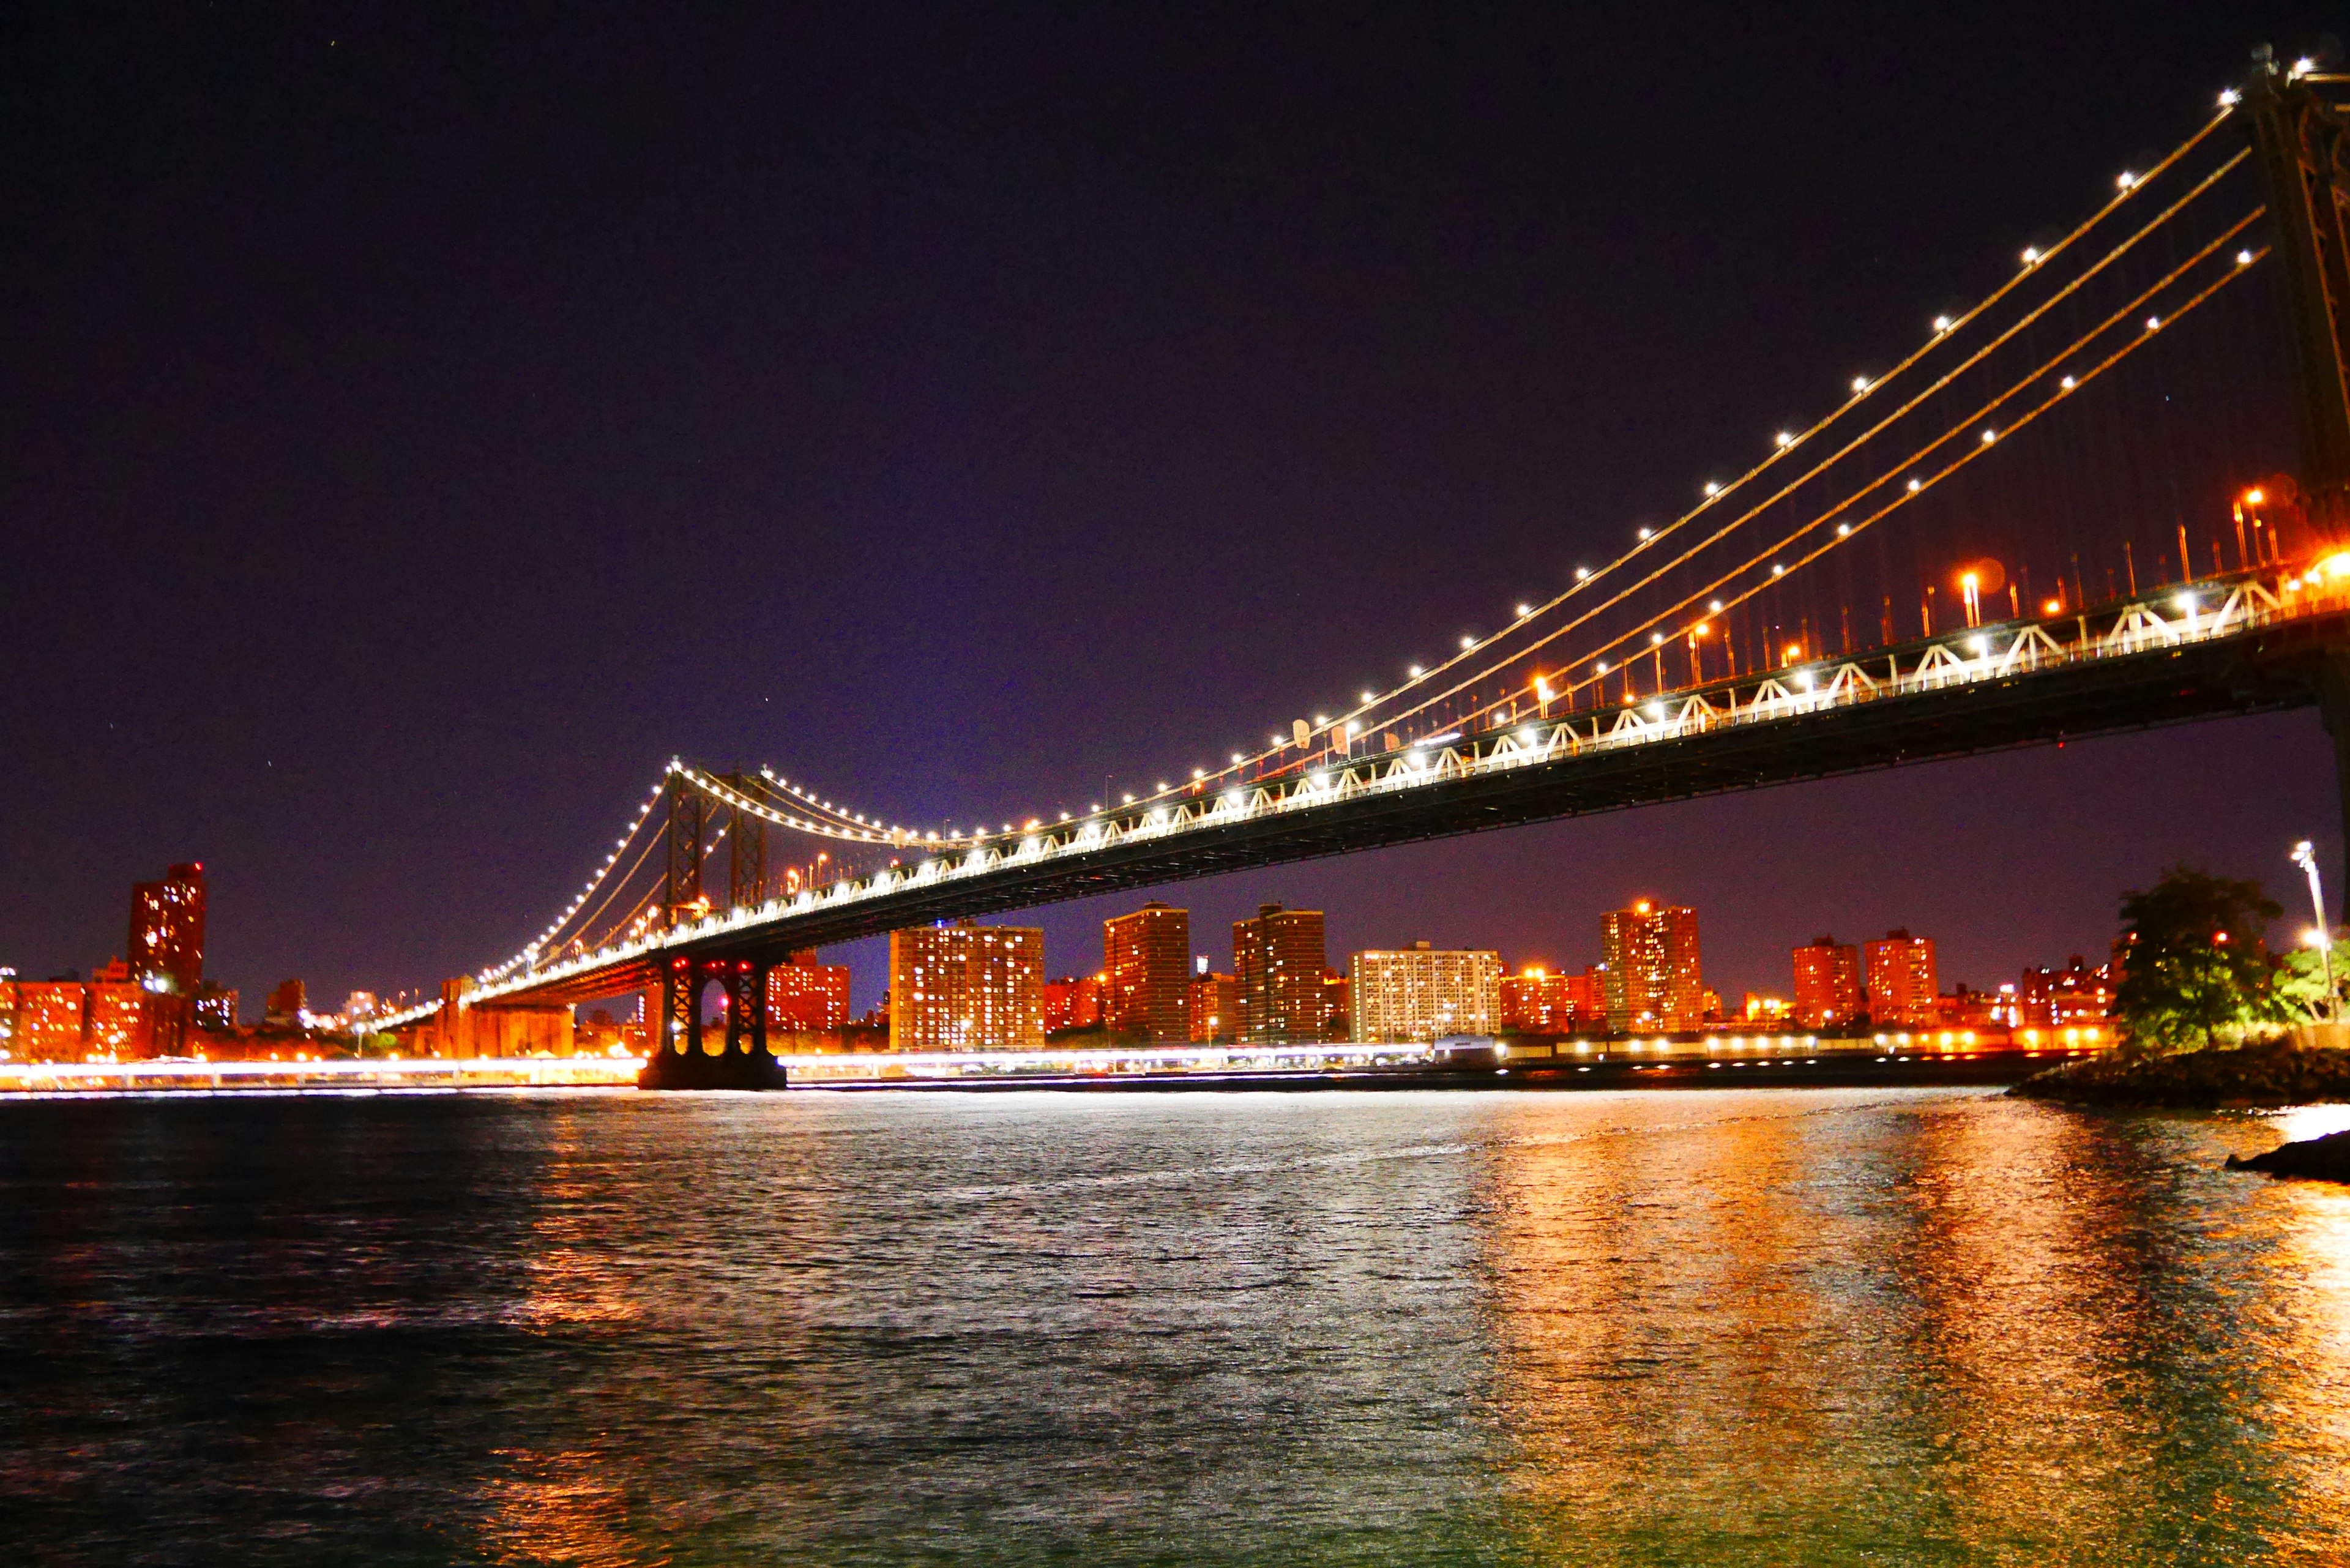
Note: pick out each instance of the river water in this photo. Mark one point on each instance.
(1739, 1326)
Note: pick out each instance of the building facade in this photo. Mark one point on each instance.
(167, 932)
(1278, 959)
(967, 987)
(2075, 994)
(1147, 973)
(1073, 1001)
(805, 997)
(1649, 962)
(1421, 992)
(1540, 1001)
(1215, 1007)
(1902, 989)
(1827, 983)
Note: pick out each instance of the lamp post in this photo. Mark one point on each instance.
(2305, 857)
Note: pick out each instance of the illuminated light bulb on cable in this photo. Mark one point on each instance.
(1468, 642)
(1713, 605)
(1369, 697)
(1860, 383)
(1843, 530)
(1601, 667)
(1415, 672)
(2067, 383)
(1524, 610)
(1783, 440)
(1711, 488)
(1941, 324)
(2228, 98)
(2303, 66)
(1581, 573)
(1989, 437)
(1656, 639)
(1777, 570)
(2243, 258)
(1915, 487)
(2126, 180)
(1644, 533)
(2154, 324)
(2030, 255)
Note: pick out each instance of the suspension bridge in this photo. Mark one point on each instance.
(2112, 493)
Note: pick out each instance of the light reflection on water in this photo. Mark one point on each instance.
(1693, 1327)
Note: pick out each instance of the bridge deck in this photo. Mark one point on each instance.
(2232, 646)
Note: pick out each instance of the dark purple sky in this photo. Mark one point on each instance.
(417, 429)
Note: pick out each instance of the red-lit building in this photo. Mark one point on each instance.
(2075, 994)
(1828, 991)
(1215, 1007)
(1651, 968)
(1147, 960)
(1280, 960)
(167, 932)
(49, 1017)
(1900, 978)
(1073, 1001)
(1539, 1001)
(805, 997)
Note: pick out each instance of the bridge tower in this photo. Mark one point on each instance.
(679, 1054)
(2302, 143)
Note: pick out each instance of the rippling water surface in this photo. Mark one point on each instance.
(1692, 1327)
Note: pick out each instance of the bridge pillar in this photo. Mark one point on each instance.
(680, 1059)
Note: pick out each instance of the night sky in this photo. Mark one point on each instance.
(416, 429)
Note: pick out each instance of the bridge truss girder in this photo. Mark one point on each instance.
(2279, 667)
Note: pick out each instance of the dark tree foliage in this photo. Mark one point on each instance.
(2194, 960)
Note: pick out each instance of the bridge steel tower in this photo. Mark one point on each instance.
(677, 1052)
(2302, 143)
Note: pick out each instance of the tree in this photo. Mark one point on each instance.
(2301, 982)
(2194, 962)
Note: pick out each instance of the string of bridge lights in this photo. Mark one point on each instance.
(2152, 324)
(1712, 493)
(531, 949)
(2064, 387)
(821, 817)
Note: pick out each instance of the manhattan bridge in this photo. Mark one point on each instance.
(2112, 493)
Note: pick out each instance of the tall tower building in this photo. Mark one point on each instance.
(1650, 959)
(1147, 960)
(967, 987)
(1421, 992)
(1277, 963)
(1827, 983)
(1902, 987)
(167, 932)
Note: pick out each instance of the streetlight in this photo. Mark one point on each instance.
(2306, 858)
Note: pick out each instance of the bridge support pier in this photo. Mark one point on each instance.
(680, 1059)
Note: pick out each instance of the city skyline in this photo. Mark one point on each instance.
(275, 739)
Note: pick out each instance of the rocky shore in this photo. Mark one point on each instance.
(2325, 1158)
(2282, 1073)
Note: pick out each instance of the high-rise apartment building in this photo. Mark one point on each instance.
(1541, 1000)
(1649, 961)
(1900, 980)
(1827, 983)
(1146, 971)
(50, 1018)
(1073, 1001)
(967, 987)
(1278, 959)
(805, 997)
(1215, 1007)
(1421, 992)
(167, 932)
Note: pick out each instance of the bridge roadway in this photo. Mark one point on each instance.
(2246, 643)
